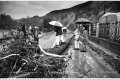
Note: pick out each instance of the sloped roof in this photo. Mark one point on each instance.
(80, 20)
(109, 13)
(110, 17)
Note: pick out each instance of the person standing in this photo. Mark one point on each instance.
(84, 39)
(58, 31)
(23, 29)
(31, 37)
(30, 29)
(77, 37)
(63, 36)
(36, 32)
(83, 28)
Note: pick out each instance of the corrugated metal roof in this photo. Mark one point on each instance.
(109, 13)
(110, 17)
(82, 20)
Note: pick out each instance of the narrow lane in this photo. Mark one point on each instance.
(47, 40)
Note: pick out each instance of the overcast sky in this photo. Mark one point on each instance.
(19, 9)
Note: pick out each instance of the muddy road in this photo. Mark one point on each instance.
(88, 65)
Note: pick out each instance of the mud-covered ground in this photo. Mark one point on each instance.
(89, 65)
(48, 40)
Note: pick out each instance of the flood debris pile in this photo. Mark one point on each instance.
(114, 63)
(23, 60)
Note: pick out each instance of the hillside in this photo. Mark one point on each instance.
(92, 10)
(30, 21)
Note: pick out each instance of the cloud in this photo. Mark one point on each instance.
(2, 4)
(18, 9)
(53, 5)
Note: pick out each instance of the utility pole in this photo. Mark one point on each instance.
(104, 7)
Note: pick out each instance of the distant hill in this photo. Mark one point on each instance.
(30, 21)
(92, 10)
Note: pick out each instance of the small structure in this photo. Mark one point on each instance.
(110, 18)
(84, 21)
(109, 26)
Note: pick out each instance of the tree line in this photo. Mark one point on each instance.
(6, 22)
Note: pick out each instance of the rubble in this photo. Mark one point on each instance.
(24, 60)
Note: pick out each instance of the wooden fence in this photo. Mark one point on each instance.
(110, 31)
(107, 35)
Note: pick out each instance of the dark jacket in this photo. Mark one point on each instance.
(24, 29)
(58, 30)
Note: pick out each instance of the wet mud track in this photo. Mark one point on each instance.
(88, 65)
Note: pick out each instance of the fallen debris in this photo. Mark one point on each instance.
(24, 60)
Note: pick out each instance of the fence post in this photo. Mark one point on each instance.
(90, 29)
(97, 30)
